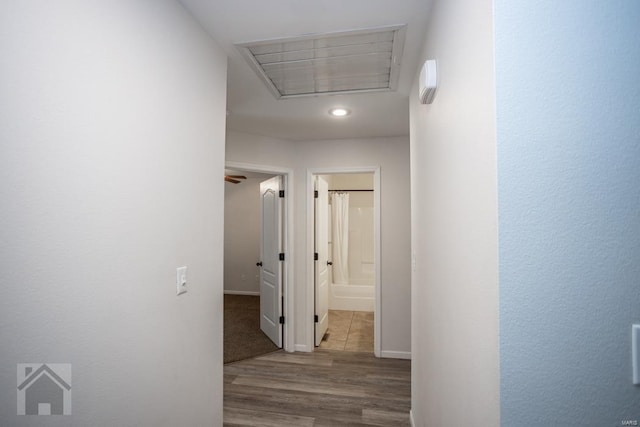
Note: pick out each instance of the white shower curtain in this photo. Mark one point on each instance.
(340, 238)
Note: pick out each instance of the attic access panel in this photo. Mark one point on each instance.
(344, 62)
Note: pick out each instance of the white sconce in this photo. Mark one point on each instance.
(428, 81)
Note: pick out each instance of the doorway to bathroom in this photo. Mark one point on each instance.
(346, 259)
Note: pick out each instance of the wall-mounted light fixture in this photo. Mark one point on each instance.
(428, 81)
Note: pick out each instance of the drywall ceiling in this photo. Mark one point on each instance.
(253, 108)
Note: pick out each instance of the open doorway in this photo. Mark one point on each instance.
(345, 261)
(254, 273)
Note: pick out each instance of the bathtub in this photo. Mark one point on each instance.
(352, 297)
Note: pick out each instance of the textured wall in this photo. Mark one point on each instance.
(568, 106)
(454, 224)
(112, 130)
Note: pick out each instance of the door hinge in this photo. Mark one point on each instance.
(315, 256)
(282, 320)
(315, 194)
(281, 193)
(315, 318)
(282, 257)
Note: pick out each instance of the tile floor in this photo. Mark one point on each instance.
(349, 331)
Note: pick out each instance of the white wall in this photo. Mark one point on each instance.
(112, 127)
(242, 236)
(263, 150)
(568, 139)
(392, 154)
(455, 369)
(352, 181)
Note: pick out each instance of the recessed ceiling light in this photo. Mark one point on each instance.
(339, 112)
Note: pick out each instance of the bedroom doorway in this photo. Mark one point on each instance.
(255, 280)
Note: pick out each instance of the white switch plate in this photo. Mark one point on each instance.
(181, 280)
(635, 351)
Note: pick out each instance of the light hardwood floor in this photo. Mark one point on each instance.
(324, 388)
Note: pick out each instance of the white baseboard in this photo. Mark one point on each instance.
(411, 420)
(230, 292)
(302, 347)
(395, 354)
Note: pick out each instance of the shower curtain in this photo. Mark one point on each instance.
(340, 238)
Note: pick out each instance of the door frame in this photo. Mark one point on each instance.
(310, 300)
(287, 244)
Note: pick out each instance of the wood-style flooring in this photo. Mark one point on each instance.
(324, 388)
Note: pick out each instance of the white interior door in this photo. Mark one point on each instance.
(321, 266)
(270, 248)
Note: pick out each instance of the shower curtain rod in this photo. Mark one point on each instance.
(350, 190)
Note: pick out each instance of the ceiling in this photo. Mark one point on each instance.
(251, 105)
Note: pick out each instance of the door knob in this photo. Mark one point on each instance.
(259, 264)
(329, 263)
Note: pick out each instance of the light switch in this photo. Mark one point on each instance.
(635, 351)
(181, 280)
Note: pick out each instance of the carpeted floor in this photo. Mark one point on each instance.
(242, 335)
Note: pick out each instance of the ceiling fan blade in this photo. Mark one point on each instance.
(229, 179)
(237, 176)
